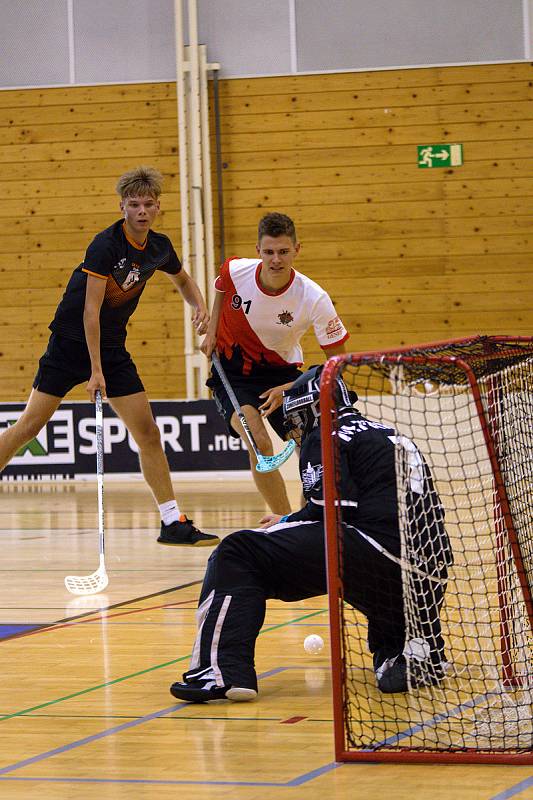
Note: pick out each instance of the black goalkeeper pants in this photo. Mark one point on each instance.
(288, 563)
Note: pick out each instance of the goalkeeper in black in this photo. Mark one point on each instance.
(285, 559)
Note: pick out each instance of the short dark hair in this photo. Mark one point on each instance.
(276, 224)
(140, 182)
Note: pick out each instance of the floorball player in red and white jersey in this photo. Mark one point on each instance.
(262, 308)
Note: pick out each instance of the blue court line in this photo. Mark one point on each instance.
(507, 793)
(298, 781)
(7, 629)
(432, 721)
(135, 674)
(514, 790)
(93, 738)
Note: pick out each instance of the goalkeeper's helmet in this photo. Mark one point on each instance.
(301, 403)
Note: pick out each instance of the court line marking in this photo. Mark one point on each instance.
(71, 621)
(453, 712)
(92, 738)
(90, 613)
(97, 615)
(100, 617)
(297, 781)
(140, 672)
(433, 721)
(514, 790)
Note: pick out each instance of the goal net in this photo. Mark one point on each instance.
(464, 410)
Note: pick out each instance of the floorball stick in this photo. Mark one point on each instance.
(264, 463)
(97, 582)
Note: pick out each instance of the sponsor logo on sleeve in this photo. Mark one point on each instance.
(334, 328)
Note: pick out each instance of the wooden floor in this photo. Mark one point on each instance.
(85, 710)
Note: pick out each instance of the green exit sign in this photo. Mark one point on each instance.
(439, 155)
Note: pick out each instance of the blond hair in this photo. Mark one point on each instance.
(140, 182)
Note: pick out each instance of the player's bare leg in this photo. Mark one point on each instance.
(134, 410)
(39, 409)
(270, 484)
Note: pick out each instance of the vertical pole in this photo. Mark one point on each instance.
(195, 181)
(195, 130)
(206, 184)
(527, 19)
(196, 360)
(71, 43)
(333, 533)
(182, 67)
(220, 187)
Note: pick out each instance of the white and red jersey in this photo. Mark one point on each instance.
(265, 328)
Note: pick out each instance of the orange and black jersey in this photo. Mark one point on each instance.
(126, 266)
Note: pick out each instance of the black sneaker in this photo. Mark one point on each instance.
(204, 690)
(392, 676)
(183, 534)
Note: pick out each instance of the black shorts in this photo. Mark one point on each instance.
(247, 390)
(66, 363)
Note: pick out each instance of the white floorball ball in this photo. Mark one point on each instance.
(313, 644)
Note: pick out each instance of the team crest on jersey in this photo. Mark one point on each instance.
(132, 277)
(285, 318)
(311, 476)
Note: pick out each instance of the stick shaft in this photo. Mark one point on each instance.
(234, 402)
(100, 467)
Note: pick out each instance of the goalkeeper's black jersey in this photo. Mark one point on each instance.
(369, 498)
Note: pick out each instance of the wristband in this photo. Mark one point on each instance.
(284, 518)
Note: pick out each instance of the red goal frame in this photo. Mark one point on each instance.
(330, 373)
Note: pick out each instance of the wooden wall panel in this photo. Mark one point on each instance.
(407, 254)
(453, 245)
(61, 152)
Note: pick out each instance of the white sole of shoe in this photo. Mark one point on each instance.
(241, 695)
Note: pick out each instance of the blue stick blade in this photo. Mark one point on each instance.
(271, 463)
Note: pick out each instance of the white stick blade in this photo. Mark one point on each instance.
(87, 584)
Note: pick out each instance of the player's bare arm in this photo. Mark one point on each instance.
(268, 520)
(335, 350)
(94, 297)
(209, 343)
(192, 295)
(273, 399)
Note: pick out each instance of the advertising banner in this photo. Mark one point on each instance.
(192, 432)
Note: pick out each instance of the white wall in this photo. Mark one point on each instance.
(58, 42)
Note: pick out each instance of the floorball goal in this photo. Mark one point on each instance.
(467, 405)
